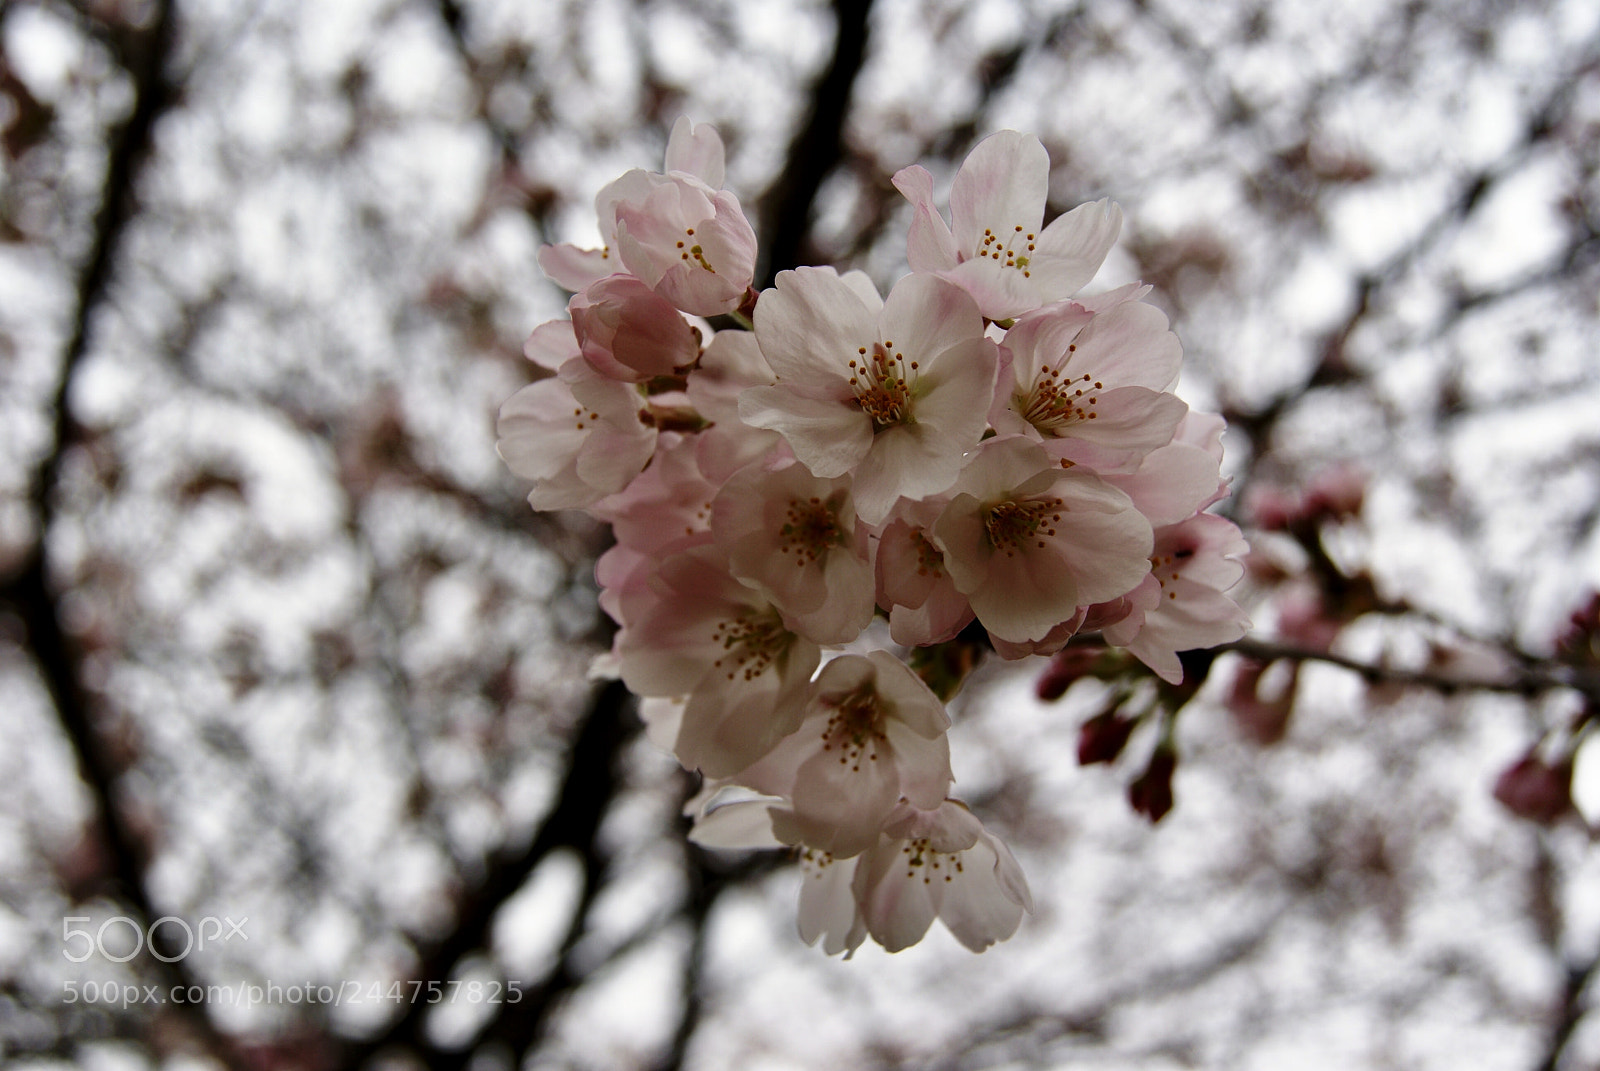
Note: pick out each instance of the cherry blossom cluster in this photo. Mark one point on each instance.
(980, 452)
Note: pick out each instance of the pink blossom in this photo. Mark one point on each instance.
(1192, 564)
(577, 436)
(794, 537)
(941, 864)
(1091, 386)
(679, 232)
(690, 629)
(873, 736)
(994, 246)
(628, 332)
(1029, 542)
(731, 362)
(924, 604)
(883, 391)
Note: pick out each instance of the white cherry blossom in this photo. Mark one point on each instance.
(881, 390)
(995, 246)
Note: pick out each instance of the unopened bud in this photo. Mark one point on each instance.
(1066, 666)
(1151, 794)
(1536, 790)
(1102, 738)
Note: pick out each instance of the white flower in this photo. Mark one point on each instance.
(577, 435)
(1091, 382)
(873, 737)
(881, 390)
(994, 247)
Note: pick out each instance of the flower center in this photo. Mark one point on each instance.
(753, 641)
(810, 527)
(1011, 249)
(855, 728)
(1012, 524)
(879, 382)
(1054, 404)
(1167, 567)
(694, 251)
(920, 854)
(930, 562)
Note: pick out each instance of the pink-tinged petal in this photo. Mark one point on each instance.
(1048, 644)
(668, 501)
(662, 719)
(552, 345)
(731, 362)
(633, 186)
(976, 908)
(728, 724)
(1039, 542)
(1071, 250)
(923, 763)
(938, 620)
(717, 281)
(1171, 484)
(1130, 345)
(740, 824)
(910, 702)
(949, 828)
(830, 437)
(911, 460)
(924, 316)
(811, 324)
(1203, 430)
(828, 904)
(1023, 597)
(1121, 618)
(575, 269)
(951, 388)
(897, 904)
(696, 149)
(794, 538)
(840, 801)
(847, 608)
(575, 436)
(930, 246)
(861, 284)
(1118, 432)
(1191, 615)
(923, 603)
(1001, 185)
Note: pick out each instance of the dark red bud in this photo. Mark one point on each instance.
(1102, 738)
(1066, 666)
(1151, 794)
(1536, 790)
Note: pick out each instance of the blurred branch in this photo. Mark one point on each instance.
(590, 785)
(145, 52)
(1570, 1013)
(1523, 678)
(816, 149)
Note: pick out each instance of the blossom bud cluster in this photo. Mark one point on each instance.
(980, 445)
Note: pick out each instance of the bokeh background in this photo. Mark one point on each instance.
(280, 640)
